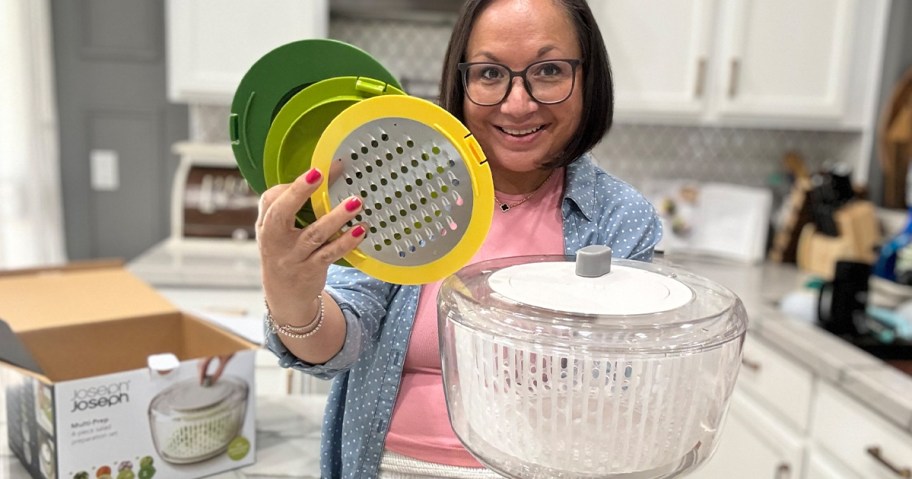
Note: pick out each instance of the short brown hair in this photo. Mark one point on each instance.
(598, 94)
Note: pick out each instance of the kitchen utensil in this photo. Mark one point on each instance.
(423, 179)
(274, 79)
(555, 368)
(842, 301)
(299, 124)
(192, 423)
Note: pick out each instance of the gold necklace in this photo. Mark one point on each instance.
(504, 207)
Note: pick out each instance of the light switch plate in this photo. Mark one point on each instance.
(105, 170)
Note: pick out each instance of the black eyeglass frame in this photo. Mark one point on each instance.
(464, 67)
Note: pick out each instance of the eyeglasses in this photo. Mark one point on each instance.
(547, 81)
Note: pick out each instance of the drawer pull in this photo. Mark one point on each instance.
(783, 471)
(752, 365)
(904, 472)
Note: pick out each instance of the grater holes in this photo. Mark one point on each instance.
(368, 211)
(425, 156)
(436, 150)
(364, 150)
(422, 200)
(409, 143)
(399, 150)
(414, 163)
(374, 143)
(397, 194)
(388, 200)
(378, 205)
(373, 187)
(384, 181)
(408, 188)
(384, 136)
(373, 230)
(363, 194)
(379, 162)
(349, 181)
(389, 156)
(419, 182)
(369, 169)
(354, 156)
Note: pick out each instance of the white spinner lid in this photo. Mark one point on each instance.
(590, 286)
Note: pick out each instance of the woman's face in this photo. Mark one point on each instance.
(519, 134)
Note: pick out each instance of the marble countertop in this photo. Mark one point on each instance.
(884, 388)
(288, 427)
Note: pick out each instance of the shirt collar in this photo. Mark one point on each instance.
(580, 186)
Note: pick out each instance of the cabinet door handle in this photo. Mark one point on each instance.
(733, 77)
(783, 471)
(752, 365)
(904, 472)
(701, 77)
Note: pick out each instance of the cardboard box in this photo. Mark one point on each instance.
(107, 382)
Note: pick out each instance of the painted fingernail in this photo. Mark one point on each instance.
(352, 204)
(312, 176)
(358, 231)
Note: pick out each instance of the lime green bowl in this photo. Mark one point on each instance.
(299, 124)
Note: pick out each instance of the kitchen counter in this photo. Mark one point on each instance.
(885, 389)
(288, 427)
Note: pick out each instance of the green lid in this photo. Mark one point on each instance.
(300, 123)
(277, 77)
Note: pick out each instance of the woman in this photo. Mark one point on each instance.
(530, 79)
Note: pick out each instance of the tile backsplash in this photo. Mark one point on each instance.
(413, 51)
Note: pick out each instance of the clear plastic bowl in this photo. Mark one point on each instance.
(538, 390)
(191, 423)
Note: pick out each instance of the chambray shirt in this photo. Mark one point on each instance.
(597, 208)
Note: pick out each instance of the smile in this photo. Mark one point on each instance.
(523, 132)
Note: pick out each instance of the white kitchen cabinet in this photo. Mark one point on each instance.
(745, 62)
(765, 435)
(856, 440)
(212, 43)
(659, 53)
(754, 445)
(821, 466)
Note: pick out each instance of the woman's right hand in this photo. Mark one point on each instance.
(295, 261)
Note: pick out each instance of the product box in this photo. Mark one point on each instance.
(111, 381)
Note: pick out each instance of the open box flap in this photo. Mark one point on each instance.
(70, 295)
(14, 352)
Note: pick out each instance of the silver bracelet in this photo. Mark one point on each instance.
(296, 332)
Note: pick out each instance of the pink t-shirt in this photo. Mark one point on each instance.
(420, 427)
